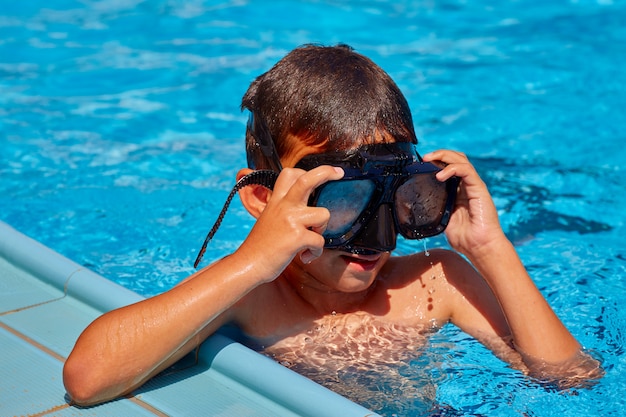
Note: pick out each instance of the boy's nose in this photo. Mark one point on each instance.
(380, 233)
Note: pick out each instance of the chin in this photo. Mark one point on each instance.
(352, 282)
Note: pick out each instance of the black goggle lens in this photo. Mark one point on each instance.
(420, 205)
(346, 201)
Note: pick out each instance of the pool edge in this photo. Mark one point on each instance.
(262, 375)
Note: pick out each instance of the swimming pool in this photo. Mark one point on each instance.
(121, 136)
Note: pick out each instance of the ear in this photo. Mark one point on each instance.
(253, 197)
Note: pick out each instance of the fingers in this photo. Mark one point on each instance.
(457, 165)
(287, 211)
(447, 157)
(297, 184)
(294, 187)
(309, 255)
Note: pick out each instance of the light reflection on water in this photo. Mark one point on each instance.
(372, 363)
(121, 137)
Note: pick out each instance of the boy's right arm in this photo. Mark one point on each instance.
(122, 349)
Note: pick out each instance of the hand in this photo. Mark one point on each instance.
(287, 226)
(474, 223)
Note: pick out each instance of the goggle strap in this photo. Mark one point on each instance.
(263, 177)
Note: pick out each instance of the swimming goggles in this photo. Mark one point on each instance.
(386, 189)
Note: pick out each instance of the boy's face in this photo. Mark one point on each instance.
(336, 269)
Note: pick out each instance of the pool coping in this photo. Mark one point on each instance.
(64, 296)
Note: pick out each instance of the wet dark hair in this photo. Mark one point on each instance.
(329, 97)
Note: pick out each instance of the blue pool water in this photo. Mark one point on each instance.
(121, 135)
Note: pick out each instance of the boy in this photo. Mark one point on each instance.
(314, 259)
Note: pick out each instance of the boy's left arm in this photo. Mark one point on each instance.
(536, 331)
(474, 230)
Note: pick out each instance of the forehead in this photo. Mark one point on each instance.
(382, 158)
(297, 152)
(298, 148)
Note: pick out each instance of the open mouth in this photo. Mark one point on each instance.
(366, 262)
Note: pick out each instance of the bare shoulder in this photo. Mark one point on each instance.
(441, 266)
(267, 313)
(439, 285)
(254, 303)
(444, 267)
(416, 287)
(474, 306)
